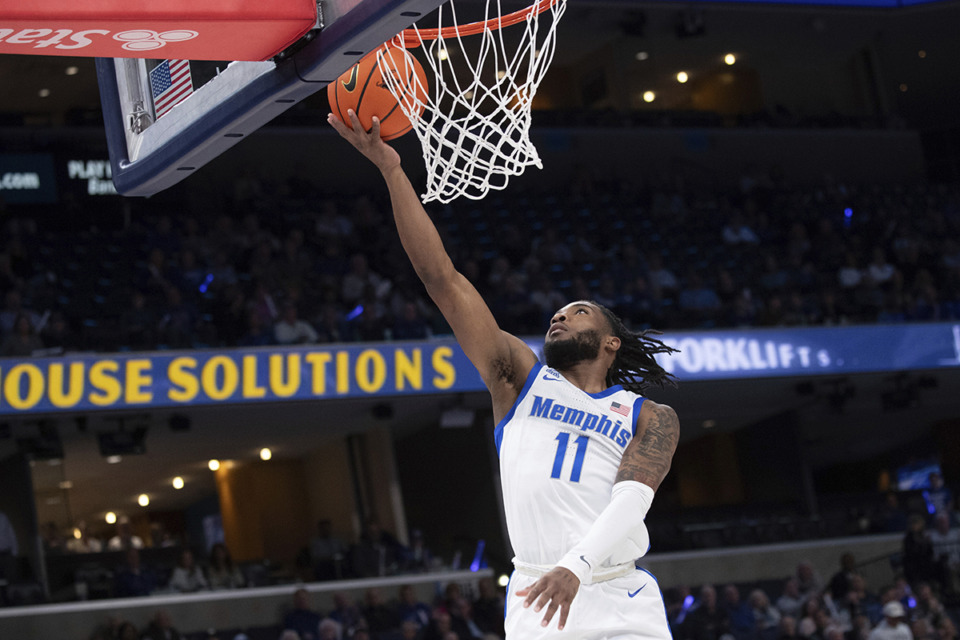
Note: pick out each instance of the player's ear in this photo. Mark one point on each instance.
(613, 343)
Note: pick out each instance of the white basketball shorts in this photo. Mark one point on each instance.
(626, 608)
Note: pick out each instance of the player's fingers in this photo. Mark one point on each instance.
(551, 610)
(355, 121)
(564, 612)
(531, 593)
(337, 123)
(375, 129)
(543, 601)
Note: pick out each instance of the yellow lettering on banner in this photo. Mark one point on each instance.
(105, 383)
(343, 372)
(250, 387)
(446, 374)
(58, 397)
(136, 380)
(11, 386)
(184, 380)
(408, 371)
(277, 385)
(318, 371)
(208, 377)
(371, 381)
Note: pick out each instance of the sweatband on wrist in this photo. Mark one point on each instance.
(620, 521)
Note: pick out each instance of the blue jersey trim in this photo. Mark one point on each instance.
(498, 431)
(649, 574)
(665, 616)
(606, 392)
(636, 413)
(506, 599)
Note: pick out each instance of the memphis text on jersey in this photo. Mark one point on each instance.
(549, 409)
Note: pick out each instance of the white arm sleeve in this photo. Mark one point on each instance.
(621, 521)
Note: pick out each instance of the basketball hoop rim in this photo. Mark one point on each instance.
(412, 38)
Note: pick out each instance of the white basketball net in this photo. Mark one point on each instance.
(475, 129)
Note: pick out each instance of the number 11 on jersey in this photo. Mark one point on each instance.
(563, 439)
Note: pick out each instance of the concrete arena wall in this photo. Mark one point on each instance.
(776, 561)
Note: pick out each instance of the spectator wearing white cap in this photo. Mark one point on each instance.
(893, 626)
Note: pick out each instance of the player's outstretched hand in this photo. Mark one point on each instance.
(368, 143)
(555, 591)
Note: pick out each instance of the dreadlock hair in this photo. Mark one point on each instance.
(635, 368)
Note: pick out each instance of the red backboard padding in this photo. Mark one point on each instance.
(173, 29)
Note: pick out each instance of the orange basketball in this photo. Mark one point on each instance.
(363, 89)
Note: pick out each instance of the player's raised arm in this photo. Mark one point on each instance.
(502, 360)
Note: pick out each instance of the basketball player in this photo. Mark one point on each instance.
(581, 454)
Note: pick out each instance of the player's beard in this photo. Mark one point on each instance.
(564, 354)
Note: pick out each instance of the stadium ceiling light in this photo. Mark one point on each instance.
(730, 59)
(682, 77)
(213, 465)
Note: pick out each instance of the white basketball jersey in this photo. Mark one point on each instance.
(560, 449)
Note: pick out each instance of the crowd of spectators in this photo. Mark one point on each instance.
(290, 266)
(804, 607)
(922, 602)
(125, 565)
(452, 615)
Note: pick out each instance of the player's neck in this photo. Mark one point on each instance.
(589, 376)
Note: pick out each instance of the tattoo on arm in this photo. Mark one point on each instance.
(648, 460)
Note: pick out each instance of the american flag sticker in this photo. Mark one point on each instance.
(171, 83)
(619, 408)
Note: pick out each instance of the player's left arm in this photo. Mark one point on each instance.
(644, 465)
(648, 457)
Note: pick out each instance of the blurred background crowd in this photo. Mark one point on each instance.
(922, 602)
(290, 266)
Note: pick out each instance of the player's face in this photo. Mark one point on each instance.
(574, 335)
(574, 318)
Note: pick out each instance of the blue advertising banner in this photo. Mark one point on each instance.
(753, 353)
(167, 379)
